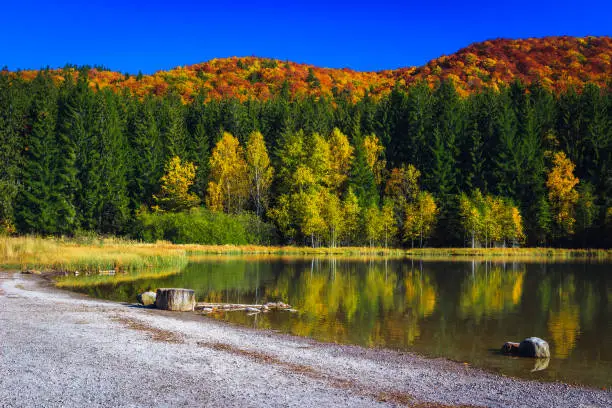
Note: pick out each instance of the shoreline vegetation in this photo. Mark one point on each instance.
(100, 256)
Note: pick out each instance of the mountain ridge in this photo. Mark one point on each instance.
(558, 63)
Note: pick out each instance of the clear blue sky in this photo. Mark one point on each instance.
(379, 34)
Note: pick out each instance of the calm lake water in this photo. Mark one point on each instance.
(463, 311)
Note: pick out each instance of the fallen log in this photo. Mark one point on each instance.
(234, 307)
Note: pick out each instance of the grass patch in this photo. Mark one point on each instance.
(136, 260)
(58, 255)
(420, 253)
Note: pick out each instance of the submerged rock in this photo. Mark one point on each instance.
(147, 298)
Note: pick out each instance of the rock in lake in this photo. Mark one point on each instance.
(510, 348)
(175, 299)
(534, 347)
(147, 298)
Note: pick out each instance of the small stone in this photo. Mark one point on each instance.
(510, 348)
(147, 298)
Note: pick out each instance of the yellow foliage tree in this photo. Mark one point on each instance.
(228, 190)
(319, 159)
(388, 223)
(562, 194)
(374, 229)
(350, 217)
(175, 185)
(403, 184)
(489, 219)
(332, 215)
(260, 171)
(309, 207)
(341, 157)
(420, 218)
(374, 152)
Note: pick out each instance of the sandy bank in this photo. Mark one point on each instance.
(60, 349)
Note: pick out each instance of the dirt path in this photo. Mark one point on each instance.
(59, 349)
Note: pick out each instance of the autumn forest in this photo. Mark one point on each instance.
(505, 143)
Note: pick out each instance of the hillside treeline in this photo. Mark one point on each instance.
(419, 166)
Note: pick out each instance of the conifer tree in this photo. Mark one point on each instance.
(13, 106)
(362, 179)
(35, 212)
(148, 155)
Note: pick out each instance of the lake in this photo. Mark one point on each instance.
(461, 310)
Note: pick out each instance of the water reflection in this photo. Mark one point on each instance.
(491, 290)
(458, 310)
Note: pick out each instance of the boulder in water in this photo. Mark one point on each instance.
(530, 347)
(534, 347)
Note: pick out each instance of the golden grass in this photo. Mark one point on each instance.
(47, 254)
(52, 254)
(437, 253)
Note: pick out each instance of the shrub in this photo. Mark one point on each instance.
(202, 226)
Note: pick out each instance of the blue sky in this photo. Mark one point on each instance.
(154, 35)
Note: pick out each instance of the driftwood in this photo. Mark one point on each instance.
(233, 307)
(175, 299)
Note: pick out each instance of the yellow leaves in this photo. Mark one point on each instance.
(350, 214)
(403, 183)
(388, 222)
(373, 152)
(260, 171)
(517, 224)
(373, 224)
(228, 170)
(175, 184)
(303, 178)
(489, 219)
(562, 194)
(490, 291)
(319, 159)
(420, 217)
(564, 319)
(341, 157)
(214, 198)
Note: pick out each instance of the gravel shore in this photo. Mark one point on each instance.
(59, 349)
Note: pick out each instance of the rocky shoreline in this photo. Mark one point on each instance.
(64, 349)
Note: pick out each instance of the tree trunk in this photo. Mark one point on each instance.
(178, 300)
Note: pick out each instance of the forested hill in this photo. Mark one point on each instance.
(524, 163)
(556, 62)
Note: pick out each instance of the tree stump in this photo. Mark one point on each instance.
(175, 299)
